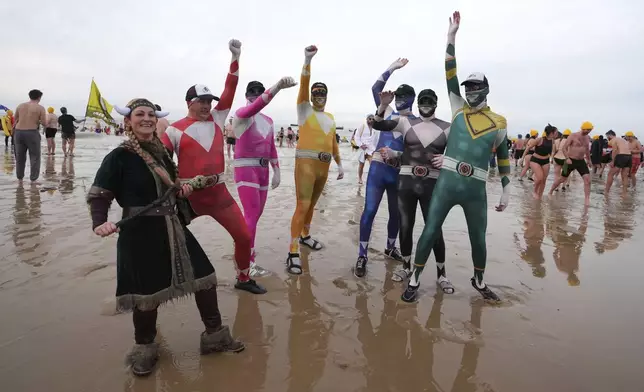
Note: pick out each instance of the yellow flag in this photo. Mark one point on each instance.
(98, 107)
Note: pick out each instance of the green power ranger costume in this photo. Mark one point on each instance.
(475, 132)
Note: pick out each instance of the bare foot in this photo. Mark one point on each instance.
(360, 181)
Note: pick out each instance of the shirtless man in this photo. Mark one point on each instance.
(162, 123)
(519, 148)
(29, 116)
(621, 160)
(576, 149)
(636, 152)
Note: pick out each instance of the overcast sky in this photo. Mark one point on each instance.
(557, 61)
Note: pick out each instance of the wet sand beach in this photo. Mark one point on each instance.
(570, 320)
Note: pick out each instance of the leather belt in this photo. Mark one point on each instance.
(156, 211)
(464, 169)
(207, 180)
(393, 162)
(312, 154)
(419, 171)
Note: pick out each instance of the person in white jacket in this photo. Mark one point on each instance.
(366, 138)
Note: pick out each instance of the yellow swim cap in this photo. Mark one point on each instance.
(567, 132)
(9, 112)
(629, 134)
(50, 109)
(534, 132)
(595, 137)
(587, 125)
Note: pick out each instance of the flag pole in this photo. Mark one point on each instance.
(87, 106)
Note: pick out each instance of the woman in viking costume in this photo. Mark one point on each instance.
(158, 259)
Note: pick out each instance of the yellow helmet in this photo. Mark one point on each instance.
(534, 132)
(50, 109)
(587, 125)
(629, 134)
(567, 132)
(595, 137)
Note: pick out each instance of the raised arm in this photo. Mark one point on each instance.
(303, 98)
(503, 161)
(380, 124)
(243, 116)
(222, 108)
(453, 88)
(377, 87)
(267, 96)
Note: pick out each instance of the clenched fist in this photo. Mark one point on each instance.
(106, 229)
(286, 82)
(235, 46)
(310, 51)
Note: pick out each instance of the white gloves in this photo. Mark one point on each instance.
(276, 178)
(235, 47)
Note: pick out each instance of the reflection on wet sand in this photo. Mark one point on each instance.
(533, 235)
(400, 341)
(619, 221)
(568, 242)
(27, 222)
(66, 184)
(308, 336)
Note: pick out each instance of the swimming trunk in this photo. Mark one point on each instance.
(623, 161)
(518, 154)
(68, 136)
(230, 140)
(560, 162)
(50, 132)
(606, 158)
(540, 161)
(577, 164)
(635, 163)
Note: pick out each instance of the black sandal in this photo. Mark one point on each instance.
(292, 266)
(316, 245)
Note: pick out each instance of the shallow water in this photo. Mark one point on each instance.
(571, 318)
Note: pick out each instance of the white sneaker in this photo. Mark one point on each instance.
(257, 271)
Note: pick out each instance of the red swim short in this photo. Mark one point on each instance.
(635, 163)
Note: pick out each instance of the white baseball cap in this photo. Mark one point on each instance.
(476, 77)
(200, 91)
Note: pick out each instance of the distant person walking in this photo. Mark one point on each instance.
(29, 116)
(68, 131)
(51, 127)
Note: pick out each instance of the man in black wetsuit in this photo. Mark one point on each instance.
(425, 140)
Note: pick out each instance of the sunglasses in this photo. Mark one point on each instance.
(255, 91)
(319, 92)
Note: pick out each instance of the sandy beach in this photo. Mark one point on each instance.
(570, 280)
